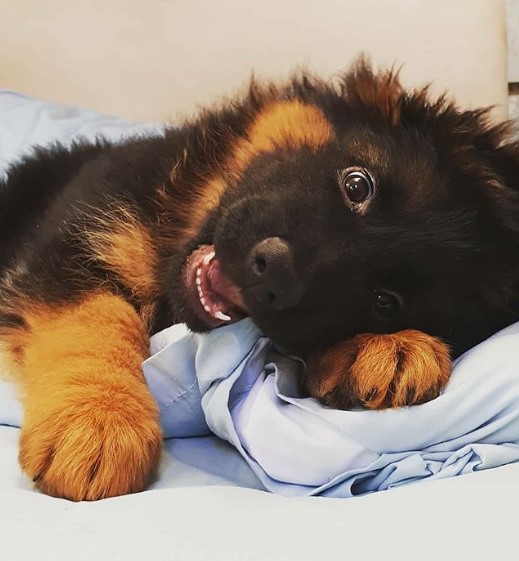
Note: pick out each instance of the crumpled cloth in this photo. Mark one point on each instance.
(235, 383)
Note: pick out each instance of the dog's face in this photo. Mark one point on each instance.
(364, 210)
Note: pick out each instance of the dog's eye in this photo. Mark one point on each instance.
(357, 186)
(387, 304)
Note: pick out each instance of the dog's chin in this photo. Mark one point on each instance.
(210, 298)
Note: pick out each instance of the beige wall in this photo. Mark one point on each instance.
(513, 39)
(154, 59)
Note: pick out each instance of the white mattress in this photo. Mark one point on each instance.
(473, 517)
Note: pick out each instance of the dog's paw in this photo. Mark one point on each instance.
(95, 442)
(379, 371)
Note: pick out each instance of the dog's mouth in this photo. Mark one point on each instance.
(212, 295)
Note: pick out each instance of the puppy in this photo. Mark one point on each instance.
(362, 226)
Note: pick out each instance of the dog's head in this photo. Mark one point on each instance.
(357, 208)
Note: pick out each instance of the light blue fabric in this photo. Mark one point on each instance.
(248, 396)
(26, 122)
(234, 383)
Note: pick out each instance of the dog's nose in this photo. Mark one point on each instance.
(274, 279)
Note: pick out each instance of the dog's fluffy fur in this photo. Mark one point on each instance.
(102, 245)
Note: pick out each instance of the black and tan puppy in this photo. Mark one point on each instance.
(322, 211)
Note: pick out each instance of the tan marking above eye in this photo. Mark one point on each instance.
(284, 124)
(290, 123)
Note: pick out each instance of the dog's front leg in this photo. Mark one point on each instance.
(379, 371)
(90, 425)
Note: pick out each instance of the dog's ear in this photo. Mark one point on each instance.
(475, 147)
(505, 192)
(505, 160)
(486, 152)
(380, 93)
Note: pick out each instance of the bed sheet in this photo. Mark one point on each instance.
(473, 517)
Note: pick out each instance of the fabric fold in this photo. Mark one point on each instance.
(248, 396)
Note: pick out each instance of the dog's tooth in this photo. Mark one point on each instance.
(199, 272)
(208, 258)
(207, 308)
(198, 281)
(202, 299)
(222, 316)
